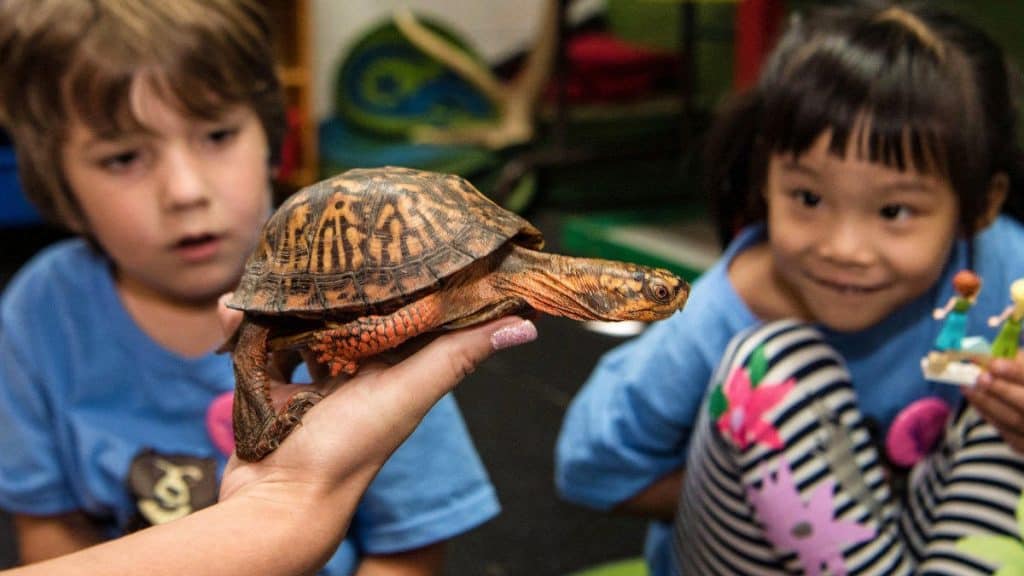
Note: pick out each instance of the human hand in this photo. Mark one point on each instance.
(347, 436)
(998, 396)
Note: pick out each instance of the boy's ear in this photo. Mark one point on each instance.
(998, 189)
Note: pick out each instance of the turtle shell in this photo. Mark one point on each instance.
(367, 237)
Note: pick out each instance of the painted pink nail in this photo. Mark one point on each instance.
(514, 335)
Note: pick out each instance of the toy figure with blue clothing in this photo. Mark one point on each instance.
(967, 285)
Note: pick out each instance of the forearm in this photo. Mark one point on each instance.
(247, 534)
(658, 501)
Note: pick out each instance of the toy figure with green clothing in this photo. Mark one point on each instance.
(1008, 339)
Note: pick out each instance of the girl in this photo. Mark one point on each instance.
(867, 166)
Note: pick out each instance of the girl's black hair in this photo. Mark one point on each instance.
(937, 91)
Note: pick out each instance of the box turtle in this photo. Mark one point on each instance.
(361, 262)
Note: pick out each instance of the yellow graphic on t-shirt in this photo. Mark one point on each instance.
(172, 495)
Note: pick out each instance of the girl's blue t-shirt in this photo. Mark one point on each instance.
(84, 392)
(630, 423)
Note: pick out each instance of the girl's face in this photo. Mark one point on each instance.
(852, 241)
(177, 207)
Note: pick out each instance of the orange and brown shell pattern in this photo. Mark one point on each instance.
(369, 236)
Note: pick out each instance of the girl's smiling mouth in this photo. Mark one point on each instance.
(846, 287)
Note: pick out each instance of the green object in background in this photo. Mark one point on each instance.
(681, 240)
(631, 567)
(657, 24)
(387, 86)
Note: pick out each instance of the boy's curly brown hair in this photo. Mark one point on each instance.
(61, 59)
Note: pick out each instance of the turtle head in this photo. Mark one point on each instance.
(591, 288)
(644, 294)
(614, 291)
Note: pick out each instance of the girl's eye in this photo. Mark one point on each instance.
(896, 212)
(806, 197)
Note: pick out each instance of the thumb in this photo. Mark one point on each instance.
(229, 319)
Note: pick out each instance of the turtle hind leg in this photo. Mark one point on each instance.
(258, 428)
(341, 346)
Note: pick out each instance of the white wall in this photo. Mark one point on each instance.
(495, 28)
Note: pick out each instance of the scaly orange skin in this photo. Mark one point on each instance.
(339, 348)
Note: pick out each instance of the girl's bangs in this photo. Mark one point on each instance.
(896, 111)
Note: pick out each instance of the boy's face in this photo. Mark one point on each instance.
(178, 207)
(852, 240)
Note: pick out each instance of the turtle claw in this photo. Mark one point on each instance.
(276, 428)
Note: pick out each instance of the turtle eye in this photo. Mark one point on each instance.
(658, 291)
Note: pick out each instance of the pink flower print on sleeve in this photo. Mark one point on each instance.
(807, 528)
(739, 406)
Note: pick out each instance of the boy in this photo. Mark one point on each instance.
(150, 129)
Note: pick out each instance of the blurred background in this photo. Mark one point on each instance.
(604, 161)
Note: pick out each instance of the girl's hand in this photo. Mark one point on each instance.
(999, 398)
(940, 313)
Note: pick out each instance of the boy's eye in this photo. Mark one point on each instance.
(896, 212)
(221, 135)
(120, 161)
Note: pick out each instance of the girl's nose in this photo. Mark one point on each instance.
(848, 244)
(183, 184)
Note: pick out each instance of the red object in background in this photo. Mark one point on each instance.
(757, 27)
(291, 145)
(603, 68)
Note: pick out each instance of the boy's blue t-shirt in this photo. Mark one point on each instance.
(630, 423)
(84, 394)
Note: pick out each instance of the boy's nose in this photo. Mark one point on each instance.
(183, 183)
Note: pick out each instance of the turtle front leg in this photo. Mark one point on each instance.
(258, 428)
(341, 345)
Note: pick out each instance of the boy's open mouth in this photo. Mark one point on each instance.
(197, 247)
(194, 240)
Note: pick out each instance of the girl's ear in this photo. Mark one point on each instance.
(998, 188)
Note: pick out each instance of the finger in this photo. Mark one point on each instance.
(426, 376)
(368, 416)
(1001, 403)
(1013, 436)
(229, 318)
(1012, 371)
